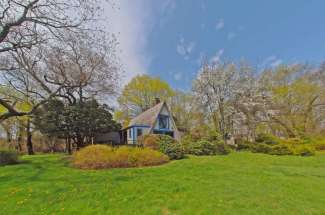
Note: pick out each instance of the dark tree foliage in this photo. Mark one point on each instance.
(78, 123)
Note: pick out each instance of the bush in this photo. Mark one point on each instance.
(260, 148)
(244, 145)
(8, 157)
(171, 148)
(150, 141)
(281, 149)
(319, 146)
(205, 147)
(268, 144)
(319, 143)
(137, 157)
(267, 139)
(202, 147)
(222, 148)
(304, 150)
(165, 144)
(293, 141)
(186, 143)
(101, 156)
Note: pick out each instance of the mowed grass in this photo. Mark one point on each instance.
(241, 183)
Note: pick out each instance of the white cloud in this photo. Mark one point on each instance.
(220, 24)
(231, 35)
(178, 76)
(185, 49)
(271, 61)
(131, 22)
(216, 58)
(276, 63)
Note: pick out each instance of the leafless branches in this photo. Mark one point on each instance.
(24, 24)
(48, 48)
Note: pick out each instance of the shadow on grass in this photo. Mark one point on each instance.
(15, 163)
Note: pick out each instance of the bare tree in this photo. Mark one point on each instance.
(214, 88)
(28, 29)
(24, 83)
(25, 23)
(83, 69)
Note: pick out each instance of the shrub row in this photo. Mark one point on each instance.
(319, 146)
(101, 156)
(204, 147)
(277, 148)
(164, 144)
(188, 145)
(300, 143)
(8, 157)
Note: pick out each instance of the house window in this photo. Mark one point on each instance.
(163, 122)
(139, 132)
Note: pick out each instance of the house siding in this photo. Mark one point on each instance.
(164, 112)
(152, 125)
(134, 133)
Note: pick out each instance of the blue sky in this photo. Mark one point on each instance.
(169, 38)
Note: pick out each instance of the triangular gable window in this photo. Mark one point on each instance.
(163, 121)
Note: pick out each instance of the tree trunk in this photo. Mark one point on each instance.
(9, 137)
(222, 121)
(52, 144)
(289, 131)
(79, 141)
(29, 142)
(68, 146)
(308, 112)
(19, 137)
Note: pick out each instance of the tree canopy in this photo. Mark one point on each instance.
(139, 95)
(79, 122)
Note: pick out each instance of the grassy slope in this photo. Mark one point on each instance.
(241, 183)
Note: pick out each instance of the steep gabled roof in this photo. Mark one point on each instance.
(147, 117)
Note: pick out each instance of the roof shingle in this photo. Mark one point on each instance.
(147, 117)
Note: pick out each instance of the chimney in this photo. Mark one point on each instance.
(157, 100)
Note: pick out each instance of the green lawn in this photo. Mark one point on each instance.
(241, 183)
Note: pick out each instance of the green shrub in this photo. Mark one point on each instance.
(222, 148)
(260, 148)
(186, 143)
(169, 146)
(244, 145)
(319, 143)
(268, 144)
(303, 150)
(101, 156)
(267, 139)
(281, 149)
(165, 144)
(8, 157)
(292, 141)
(205, 147)
(202, 147)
